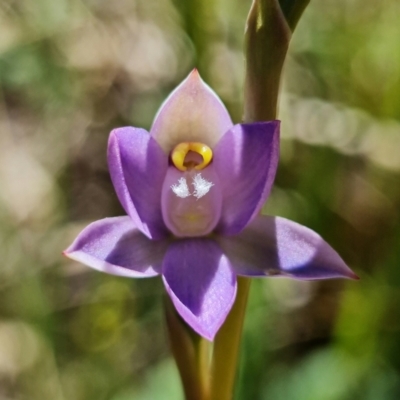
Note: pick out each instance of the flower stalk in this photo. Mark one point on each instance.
(227, 345)
(191, 353)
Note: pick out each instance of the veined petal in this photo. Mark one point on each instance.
(191, 113)
(200, 282)
(117, 247)
(137, 167)
(245, 160)
(277, 246)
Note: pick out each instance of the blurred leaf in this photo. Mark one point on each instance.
(328, 374)
(161, 383)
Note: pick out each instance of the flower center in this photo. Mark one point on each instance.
(191, 155)
(191, 199)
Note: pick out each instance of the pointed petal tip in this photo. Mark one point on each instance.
(204, 330)
(349, 274)
(346, 273)
(353, 276)
(208, 336)
(193, 78)
(205, 333)
(195, 73)
(68, 252)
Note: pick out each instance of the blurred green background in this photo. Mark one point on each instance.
(71, 70)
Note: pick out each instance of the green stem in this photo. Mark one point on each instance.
(203, 362)
(191, 353)
(226, 346)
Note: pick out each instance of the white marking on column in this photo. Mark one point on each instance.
(181, 189)
(201, 186)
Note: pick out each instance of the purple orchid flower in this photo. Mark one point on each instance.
(193, 189)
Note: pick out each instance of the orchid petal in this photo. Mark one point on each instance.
(246, 160)
(137, 167)
(191, 113)
(117, 247)
(201, 284)
(277, 246)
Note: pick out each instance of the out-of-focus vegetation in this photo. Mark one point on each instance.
(71, 70)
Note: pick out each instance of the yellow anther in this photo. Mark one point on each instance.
(179, 153)
(204, 151)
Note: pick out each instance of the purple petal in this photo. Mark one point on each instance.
(138, 166)
(277, 246)
(201, 284)
(115, 246)
(245, 160)
(191, 113)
